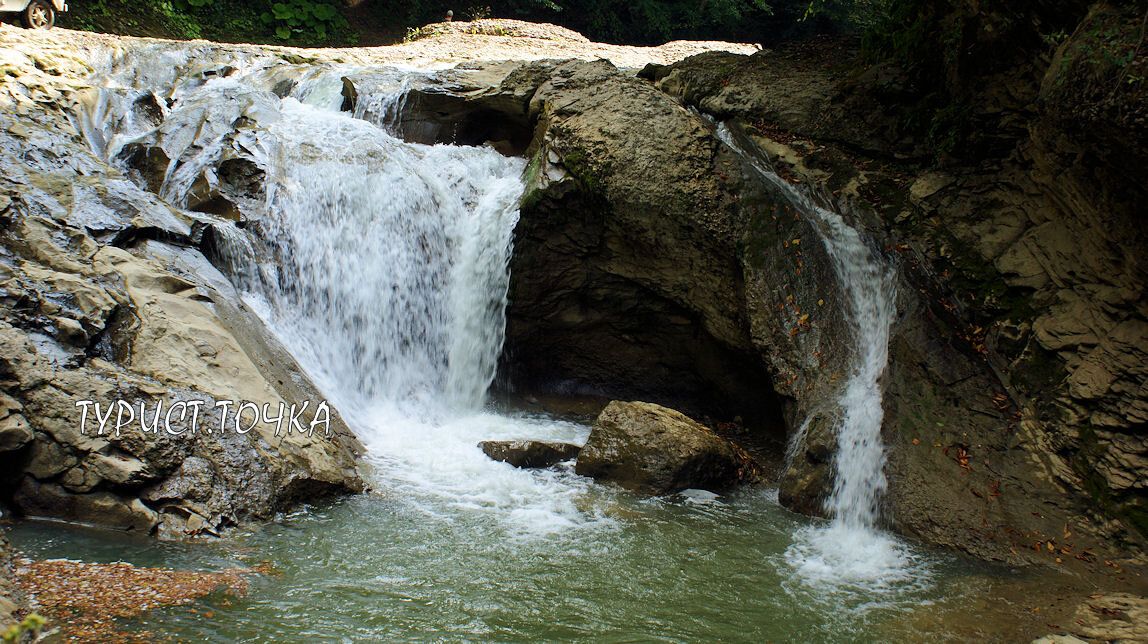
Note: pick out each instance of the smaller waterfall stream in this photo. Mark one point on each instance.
(851, 550)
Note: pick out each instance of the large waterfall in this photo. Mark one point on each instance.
(383, 266)
(392, 258)
(851, 549)
(387, 262)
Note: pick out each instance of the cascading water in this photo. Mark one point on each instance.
(383, 267)
(851, 550)
(393, 258)
(390, 284)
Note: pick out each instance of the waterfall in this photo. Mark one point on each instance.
(850, 549)
(386, 263)
(392, 259)
(381, 265)
(869, 285)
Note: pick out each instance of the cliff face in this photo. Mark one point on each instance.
(1014, 395)
(626, 276)
(1057, 232)
(648, 251)
(651, 262)
(1020, 348)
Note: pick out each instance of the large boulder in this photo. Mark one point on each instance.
(526, 453)
(649, 448)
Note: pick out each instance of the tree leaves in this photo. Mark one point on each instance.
(304, 17)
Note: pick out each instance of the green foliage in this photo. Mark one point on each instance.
(631, 22)
(860, 14)
(299, 22)
(477, 13)
(176, 16)
(31, 626)
(303, 19)
(315, 22)
(414, 33)
(489, 30)
(948, 127)
(906, 34)
(656, 21)
(1108, 45)
(579, 164)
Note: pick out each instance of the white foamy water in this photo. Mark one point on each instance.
(851, 552)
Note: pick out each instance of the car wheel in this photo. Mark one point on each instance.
(39, 14)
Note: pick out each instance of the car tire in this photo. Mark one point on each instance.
(39, 14)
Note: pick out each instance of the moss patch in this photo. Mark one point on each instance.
(579, 163)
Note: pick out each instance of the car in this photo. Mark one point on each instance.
(35, 14)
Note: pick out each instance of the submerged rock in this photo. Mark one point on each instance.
(804, 488)
(1117, 617)
(649, 448)
(528, 453)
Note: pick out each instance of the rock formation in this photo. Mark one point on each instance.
(650, 262)
(527, 453)
(1015, 369)
(655, 450)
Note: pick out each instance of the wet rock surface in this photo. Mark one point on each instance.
(102, 304)
(529, 453)
(119, 240)
(650, 263)
(655, 450)
(696, 286)
(107, 295)
(629, 230)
